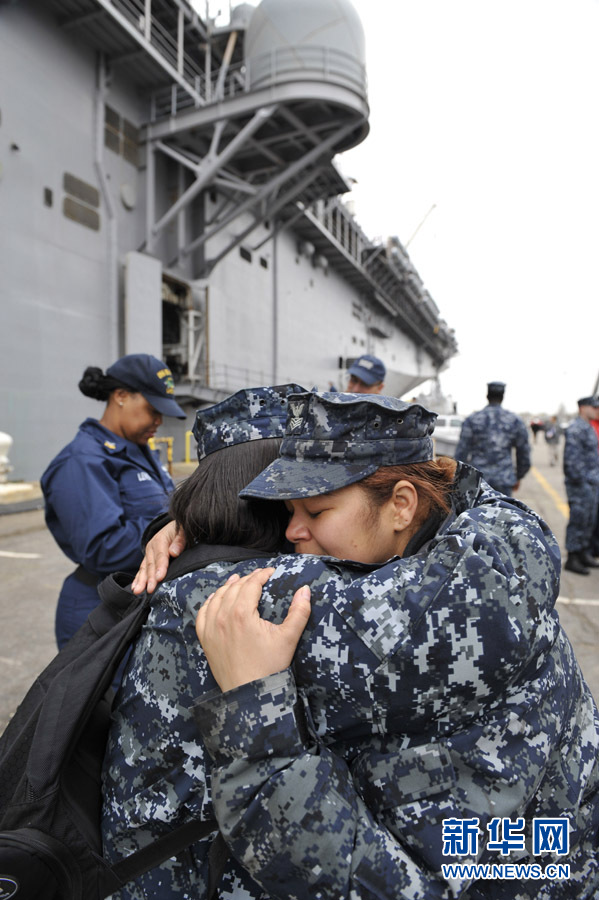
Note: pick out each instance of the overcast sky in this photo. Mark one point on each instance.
(486, 113)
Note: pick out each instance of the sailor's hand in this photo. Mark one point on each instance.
(240, 645)
(166, 543)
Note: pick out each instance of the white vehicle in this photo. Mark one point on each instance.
(447, 434)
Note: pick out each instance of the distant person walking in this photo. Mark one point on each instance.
(106, 485)
(366, 375)
(581, 472)
(552, 436)
(488, 439)
(535, 426)
(594, 423)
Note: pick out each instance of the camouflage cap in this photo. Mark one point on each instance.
(335, 439)
(589, 401)
(249, 415)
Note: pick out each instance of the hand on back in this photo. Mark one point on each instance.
(239, 644)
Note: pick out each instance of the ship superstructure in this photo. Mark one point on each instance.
(169, 186)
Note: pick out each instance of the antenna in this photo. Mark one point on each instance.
(418, 227)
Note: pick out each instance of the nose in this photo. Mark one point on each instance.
(297, 529)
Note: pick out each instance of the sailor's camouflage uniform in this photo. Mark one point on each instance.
(581, 471)
(436, 686)
(487, 440)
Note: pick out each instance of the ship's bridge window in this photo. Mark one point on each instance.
(245, 254)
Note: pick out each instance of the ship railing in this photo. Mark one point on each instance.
(170, 46)
(340, 223)
(173, 100)
(307, 62)
(395, 275)
(231, 378)
(280, 65)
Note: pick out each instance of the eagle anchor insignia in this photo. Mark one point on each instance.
(297, 416)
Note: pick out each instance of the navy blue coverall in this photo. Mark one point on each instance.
(100, 491)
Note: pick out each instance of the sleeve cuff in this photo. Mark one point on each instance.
(256, 720)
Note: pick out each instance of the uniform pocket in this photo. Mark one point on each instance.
(387, 780)
(410, 792)
(140, 493)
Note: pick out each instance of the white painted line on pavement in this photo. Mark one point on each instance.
(577, 601)
(9, 554)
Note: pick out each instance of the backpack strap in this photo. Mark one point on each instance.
(202, 555)
(217, 860)
(163, 848)
(180, 838)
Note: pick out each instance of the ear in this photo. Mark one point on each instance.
(405, 504)
(119, 396)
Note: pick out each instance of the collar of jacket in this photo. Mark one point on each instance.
(112, 443)
(201, 555)
(115, 445)
(466, 488)
(464, 495)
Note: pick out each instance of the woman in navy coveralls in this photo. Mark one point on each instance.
(106, 485)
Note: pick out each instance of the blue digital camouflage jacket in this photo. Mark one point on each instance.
(581, 453)
(487, 441)
(436, 687)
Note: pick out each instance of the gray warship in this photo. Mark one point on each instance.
(169, 185)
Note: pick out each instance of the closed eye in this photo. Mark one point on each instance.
(315, 513)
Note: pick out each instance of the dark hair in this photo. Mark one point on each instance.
(207, 507)
(98, 385)
(433, 481)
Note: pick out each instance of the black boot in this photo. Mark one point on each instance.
(575, 564)
(588, 560)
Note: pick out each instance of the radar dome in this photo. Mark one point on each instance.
(315, 40)
(241, 15)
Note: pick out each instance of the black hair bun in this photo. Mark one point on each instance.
(94, 384)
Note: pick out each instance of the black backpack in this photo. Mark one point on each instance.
(51, 757)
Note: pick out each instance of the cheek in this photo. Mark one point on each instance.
(338, 537)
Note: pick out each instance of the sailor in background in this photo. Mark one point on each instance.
(106, 485)
(488, 438)
(581, 471)
(366, 375)
(552, 431)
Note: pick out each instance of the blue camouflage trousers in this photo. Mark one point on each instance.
(583, 499)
